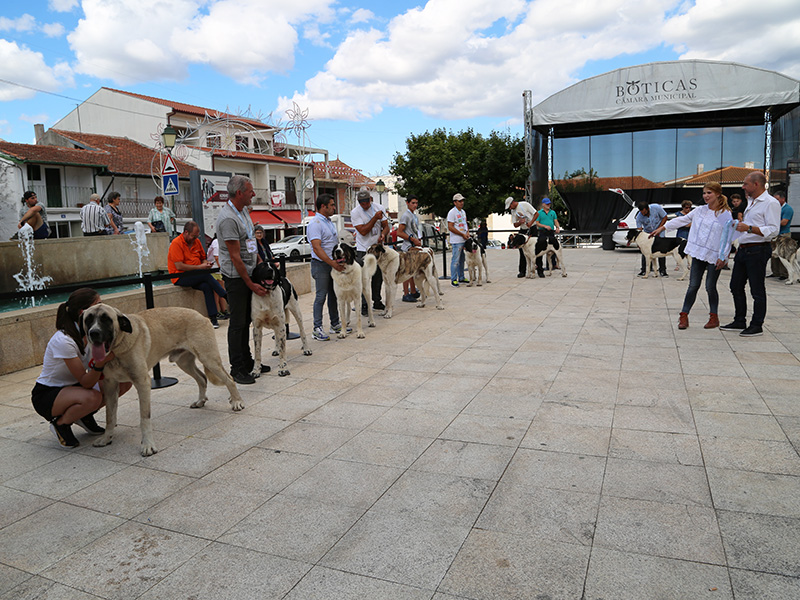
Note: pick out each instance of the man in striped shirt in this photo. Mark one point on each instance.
(94, 219)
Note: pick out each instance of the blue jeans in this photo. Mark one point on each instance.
(323, 283)
(206, 284)
(695, 278)
(457, 262)
(750, 267)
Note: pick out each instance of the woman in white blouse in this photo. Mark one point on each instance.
(708, 224)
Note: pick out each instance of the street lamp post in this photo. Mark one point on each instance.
(380, 187)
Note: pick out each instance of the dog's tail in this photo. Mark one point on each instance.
(370, 265)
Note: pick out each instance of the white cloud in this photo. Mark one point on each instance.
(362, 15)
(130, 40)
(28, 68)
(62, 5)
(468, 58)
(53, 29)
(40, 118)
(766, 33)
(24, 23)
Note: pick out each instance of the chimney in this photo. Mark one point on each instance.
(38, 130)
(700, 168)
(749, 164)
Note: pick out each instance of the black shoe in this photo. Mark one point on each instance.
(520, 275)
(733, 326)
(416, 295)
(540, 274)
(641, 274)
(752, 331)
(378, 305)
(265, 368)
(64, 434)
(90, 425)
(663, 274)
(223, 316)
(783, 277)
(771, 275)
(364, 311)
(243, 378)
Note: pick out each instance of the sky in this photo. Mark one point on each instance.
(369, 74)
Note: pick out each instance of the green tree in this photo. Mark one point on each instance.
(485, 170)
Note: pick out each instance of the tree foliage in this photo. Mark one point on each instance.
(485, 170)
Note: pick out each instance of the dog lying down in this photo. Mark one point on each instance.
(273, 311)
(660, 247)
(139, 341)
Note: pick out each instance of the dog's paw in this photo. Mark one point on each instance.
(148, 449)
(283, 373)
(387, 315)
(103, 440)
(487, 281)
(198, 403)
(341, 335)
(479, 284)
(275, 353)
(440, 307)
(421, 305)
(371, 324)
(256, 372)
(307, 353)
(790, 282)
(563, 274)
(237, 405)
(360, 335)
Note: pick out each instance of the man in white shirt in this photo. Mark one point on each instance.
(94, 219)
(459, 233)
(523, 215)
(760, 223)
(371, 227)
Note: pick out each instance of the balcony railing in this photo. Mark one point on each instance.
(61, 196)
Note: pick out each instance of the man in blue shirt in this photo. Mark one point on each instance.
(650, 218)
(787, 212)
(323, 237)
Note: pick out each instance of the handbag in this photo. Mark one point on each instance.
(159, 227)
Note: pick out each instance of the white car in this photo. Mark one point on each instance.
(627, 222)
(293, 246)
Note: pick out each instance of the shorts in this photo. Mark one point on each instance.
(43, 397)
(217, 276)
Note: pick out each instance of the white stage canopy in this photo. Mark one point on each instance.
(667, 88)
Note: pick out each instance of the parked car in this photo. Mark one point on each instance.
(629, 222)
(293, 246)
(496, 244)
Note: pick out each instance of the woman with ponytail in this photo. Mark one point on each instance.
(68, 390)
(704, 246)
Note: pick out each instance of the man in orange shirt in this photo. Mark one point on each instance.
(187, 254)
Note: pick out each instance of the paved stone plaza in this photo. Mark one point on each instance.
(538, 439)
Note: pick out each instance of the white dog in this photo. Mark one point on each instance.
(350, 284)
(272, 311)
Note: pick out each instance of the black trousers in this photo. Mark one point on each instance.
(239, 301)
(545, 236)
(377, 282)
(662, 264)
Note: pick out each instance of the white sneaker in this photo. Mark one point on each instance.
(336, 329)
(320, 335)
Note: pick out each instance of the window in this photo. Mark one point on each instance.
(273, 184)
(34, 173)
(213, 139)
(242, 143)
(260, 145)
(289, 184)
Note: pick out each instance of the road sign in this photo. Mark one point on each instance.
(171, 185)
(169, 167)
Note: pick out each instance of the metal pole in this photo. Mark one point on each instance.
(157, 382)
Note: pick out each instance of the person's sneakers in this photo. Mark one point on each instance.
(416, 295)
(454, 283)
(771, 275)
(336, 329)
(320, 335)
(378, 305)
(520, 275)
(64, 434)
(663, 274)
(214, 323)
(409, 298)
(540, 274)
(733, 326)
(641, 274)
(243, 378)
(752, 331)
(90, 425)
(463, 281)
(223, 316)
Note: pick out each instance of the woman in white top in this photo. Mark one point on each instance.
(68, 389)
(708, 224)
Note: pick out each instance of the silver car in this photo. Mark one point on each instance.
(293, 246)
(627, 222)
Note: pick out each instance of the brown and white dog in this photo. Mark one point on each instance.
(660, 247)
(475, 257)
(785, 249)
(138, 342)
(272, 310)
(396, 267)
(350, 284)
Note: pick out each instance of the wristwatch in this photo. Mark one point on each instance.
(749, 229)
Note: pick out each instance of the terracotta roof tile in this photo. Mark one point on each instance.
(55, 155)
(637, 182)
(191, 109)
(125, 156)
(725, 175)
(339, 171)
(251, 156)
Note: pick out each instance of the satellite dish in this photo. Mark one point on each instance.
(309, 184)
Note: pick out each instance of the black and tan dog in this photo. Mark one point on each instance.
(272, 310)
(138, 342)
(397, 267)
(660, 247)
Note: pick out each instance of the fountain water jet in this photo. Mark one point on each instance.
(139, 241)
(27, 279)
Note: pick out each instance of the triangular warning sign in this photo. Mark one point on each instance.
(169, 188)
(169, 167)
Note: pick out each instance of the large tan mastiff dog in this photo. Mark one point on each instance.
(139, 341)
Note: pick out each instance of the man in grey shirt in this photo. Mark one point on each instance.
(408, 231)
(237, 259)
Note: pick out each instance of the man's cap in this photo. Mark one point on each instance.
(363, 195)
(458, 197)
(545, 200)
(509, 200)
